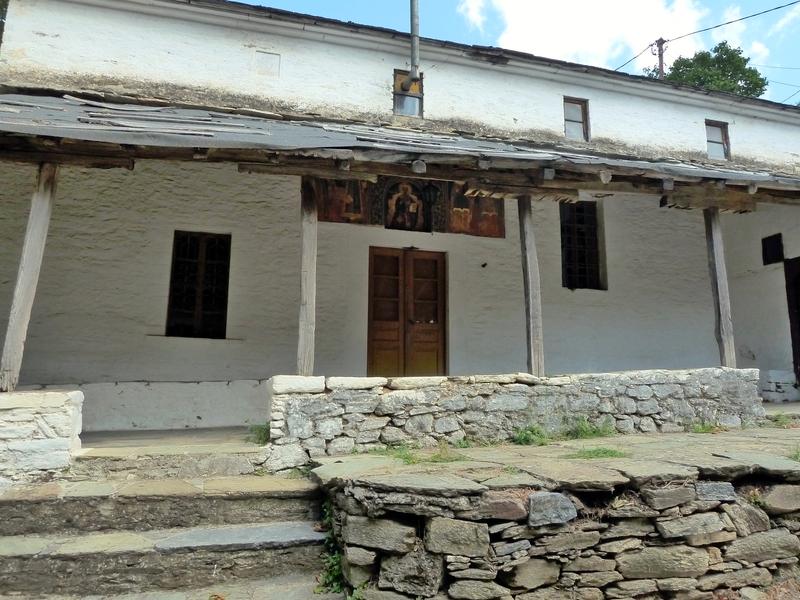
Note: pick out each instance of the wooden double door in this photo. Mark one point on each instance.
(407, 312)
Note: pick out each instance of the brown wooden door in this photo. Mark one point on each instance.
(407, 312)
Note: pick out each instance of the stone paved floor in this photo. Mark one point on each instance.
(648, 458)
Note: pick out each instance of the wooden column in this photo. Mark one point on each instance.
(308, 282)
(534, 339)
(719, 287)
(28, 276)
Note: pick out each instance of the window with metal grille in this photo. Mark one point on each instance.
(580, 246)
(772, 249)
(198, 289)
(717, 140)
(576, 119)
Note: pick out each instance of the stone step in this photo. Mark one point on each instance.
(166, 559)
(288, 587)
(142, 504)
(167, 461)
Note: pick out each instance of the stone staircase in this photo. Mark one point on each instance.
(134, 532)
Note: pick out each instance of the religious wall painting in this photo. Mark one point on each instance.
(475, 215)
(343, 201)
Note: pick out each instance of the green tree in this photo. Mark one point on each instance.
(724, 69)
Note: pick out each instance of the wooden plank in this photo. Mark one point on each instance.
(308, 281)
(30, 265)
(534, 339)
(719, 288)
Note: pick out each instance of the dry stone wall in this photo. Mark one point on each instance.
(432, 537)
(38, 431)
(318, 416)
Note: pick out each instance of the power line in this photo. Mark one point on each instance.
(763, 12)
(783, 83)
(680, 37)
(637, 56)
(790, 97)
(776, 67)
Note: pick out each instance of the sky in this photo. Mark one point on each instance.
(603, 33)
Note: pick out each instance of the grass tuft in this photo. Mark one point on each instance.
(780, 420)
(599, 452)
(444, 454)
(582, 429)
(532, 435)
(706, 427)
(795, 455)
(259, 434)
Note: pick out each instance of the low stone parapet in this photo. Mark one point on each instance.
(337, 415)
(38, 431)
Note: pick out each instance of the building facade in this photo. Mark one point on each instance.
(156, 344)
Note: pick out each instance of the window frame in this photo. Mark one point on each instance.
(596, 280)
(399, 76)
(583, 103)
(726, 140)
(202, 328)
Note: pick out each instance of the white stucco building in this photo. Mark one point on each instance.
(268, 98)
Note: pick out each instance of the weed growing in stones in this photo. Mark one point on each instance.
(600, 452)
(331, 579)
(780, 420)
(706, 427)
(298, 473)
(532, 435)
(512, 470)
(795, 455)
(259, 434)
(443, 454)
(582, 429)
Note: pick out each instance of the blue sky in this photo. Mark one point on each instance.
(603, 33)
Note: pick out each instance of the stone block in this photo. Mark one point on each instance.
(696, 524)
(412, 383)
(419, 424)
(661, 498)
(446, 425)
(355, 575)
(648, 407)
(621, 545)
(453, 536)
(477, 590)
(775, 543)
(342, 445)
(533, 574)
(736, 579)
(721, 491)
(296, 384)
(782, 499)
(550, 508)
(663, 562)
(590, 563)
(746, 518)
(379, 534)
(355, 383)
(507, 403)
(329, 428)
(570, 541)
(417, 573)
(599, 579)
(286, 457)
(480, 574)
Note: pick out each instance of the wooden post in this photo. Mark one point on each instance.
(308, 281)
(534, 339)
(719, 287)
(27, 276)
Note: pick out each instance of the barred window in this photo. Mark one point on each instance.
(580, 246)
(198, 290)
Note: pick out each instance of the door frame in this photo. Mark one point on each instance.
(403, 253)
(791, 268)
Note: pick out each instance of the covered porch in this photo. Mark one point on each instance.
(503, 307)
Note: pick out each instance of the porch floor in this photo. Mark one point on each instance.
(226, 440)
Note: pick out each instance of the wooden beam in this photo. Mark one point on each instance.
(30, 265)
(719, 288)
(534, 339)
(308, 279)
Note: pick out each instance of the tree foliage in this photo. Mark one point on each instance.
(724, 69)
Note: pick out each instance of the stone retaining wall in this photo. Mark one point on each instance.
(38, 431)
(317, 416)
(445, 537)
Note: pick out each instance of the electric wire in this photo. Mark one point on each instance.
(685, 35)
(790, 97)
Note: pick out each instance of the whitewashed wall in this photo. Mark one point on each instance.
(760, 310)
(101, 306)
(193, 53)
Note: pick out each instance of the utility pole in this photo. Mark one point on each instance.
(660, 44)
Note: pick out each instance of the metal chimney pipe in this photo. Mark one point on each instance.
(413, 75)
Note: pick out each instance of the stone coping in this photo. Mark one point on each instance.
(227, 537)
(238, 486)
(39, 399)
(681, 457)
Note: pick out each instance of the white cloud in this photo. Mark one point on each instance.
(474, 12)
(733, 32)
(786, 20)
(597, 33)
(758, 52)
